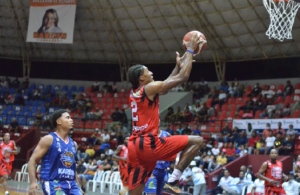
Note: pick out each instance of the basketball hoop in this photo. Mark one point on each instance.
(282, 16)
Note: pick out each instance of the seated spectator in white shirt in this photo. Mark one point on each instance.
(247, 172)
(114, 87)
(242, 151)
(95, 86)
(204, 85)
(291, 131)
(291, 187)
(232, 90)
(259, 187)
(215, 151)
(224, 184)
(198, 178)
(286, 111)
(237, 184)
(269, 141)
(105, 136)
(270, 93)
(270, 111)
(219, 100)
(4, 83)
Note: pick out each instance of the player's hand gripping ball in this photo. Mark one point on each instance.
(186, 38)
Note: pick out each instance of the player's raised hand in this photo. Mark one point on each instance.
(180, 59)
(32, 188)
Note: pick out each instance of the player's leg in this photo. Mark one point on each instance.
(189, 152)
(75, 190)
(160, 177)
(124, 177)
(138, 190)
(151, 185)
(54, 188)
(4, 171)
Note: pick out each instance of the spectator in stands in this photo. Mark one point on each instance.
(9, 98)
(286, 111)
(267, 130)
(224, 87)
(198, 92)
(248, 105)
(114, 87)
(56, 101)
(204, 85)
(24, 85)
(269, 142)
(259, 187)
(220, 161)
(237, 184)
(248, 175)
(230, 152)
(38, 119)
(270, 110)
(46, 120)
(215, 151)
(256, 90)
(90, 150)
(4, 83)
(108, 152)
(288, 145)
(88, 174)
(242, 139)
(210, 140)
(107, 88)
(186, 130)
(234, 135)
(169, 130)
(102, 148)
(278, 143)
(224, 183)
(209, 158)
(14, 126)
(247, 114)
(2, 99)
(115, 167)
(270, 93)
(232, 90)
(64, 102)
(291, 131)
(101, 160)
(179, 129)
(186, 175)
(214, 93)
(241, 151)
(187, 116)
(104, 136)
(280, 129)
(16, 83)
(95, 86)
(168, 116)
(124, 119)
(196, 130)
(196, 108)
(241, 90)
(288, 89)
(252, 142)
(121, 133)
(116, 118)
(204, 149)
(98, 113)
(260, 145)
(225, 135)
(219, 100)
(80, 168)
(81, 152)
(291, 187)
(202, 115)
(177, 115)
(93, 138)
(37, 95)
(249, 130)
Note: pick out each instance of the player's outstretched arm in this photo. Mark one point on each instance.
(38, 153)
(160, 87)
(115, 156)
(262, 171)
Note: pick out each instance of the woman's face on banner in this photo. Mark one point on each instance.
(49, 20)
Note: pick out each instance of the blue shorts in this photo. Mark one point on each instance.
(86, 176)
(156, 182)
(61, 188)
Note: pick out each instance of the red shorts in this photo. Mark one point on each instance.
(143, 152)
(270, 190)
(124, 176)
(5, 168)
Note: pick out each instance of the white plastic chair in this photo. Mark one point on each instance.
(19, 174)
(105, 180)
(25, 177)
(247, 189)
(94, 180)
(98, 181)
(118, 185)
(113, 180)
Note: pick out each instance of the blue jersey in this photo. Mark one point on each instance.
(59, 162)
(162, 164)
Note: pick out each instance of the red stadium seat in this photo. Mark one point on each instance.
(232, 114)
(280, 88)
(225, 107)
(248, 88)
(238, 100)
(89, 125)
(296, 114)
(264, 87)
(297, 86)
(288, 99)
(233, 107)
(231, 100)
(212, 128)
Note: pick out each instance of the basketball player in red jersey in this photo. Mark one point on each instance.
(8, 149)
(144, 146)
(271, 172)
(121, 156)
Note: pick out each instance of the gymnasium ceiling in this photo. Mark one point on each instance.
(150, 31)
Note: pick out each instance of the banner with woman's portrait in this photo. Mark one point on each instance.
(51, 21)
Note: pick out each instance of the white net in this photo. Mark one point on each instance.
(282, 16)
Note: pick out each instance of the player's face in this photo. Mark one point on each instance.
(49, 20)
(148, 75)
(273, 154)
(6, 137)
(66, 121)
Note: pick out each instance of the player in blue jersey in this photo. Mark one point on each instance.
(159, 175)
(57, 152)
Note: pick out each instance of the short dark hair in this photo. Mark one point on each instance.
(56, 115)
(134, 74)
(105, 130)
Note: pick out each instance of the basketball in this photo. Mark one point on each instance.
(186, 38)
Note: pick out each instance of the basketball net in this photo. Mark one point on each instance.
(282, 16)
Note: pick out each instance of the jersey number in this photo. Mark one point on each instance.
(135, 117)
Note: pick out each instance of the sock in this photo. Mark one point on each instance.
(6, 193)
(175, 175)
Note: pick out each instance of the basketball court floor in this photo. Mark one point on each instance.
(21, 188)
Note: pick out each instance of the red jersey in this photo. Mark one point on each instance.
(5, 155)
(123, 153)
(145, 113)
(274, 172)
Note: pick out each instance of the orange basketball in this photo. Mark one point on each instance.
(186, 38)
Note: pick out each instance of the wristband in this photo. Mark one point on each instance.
(190, 51)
